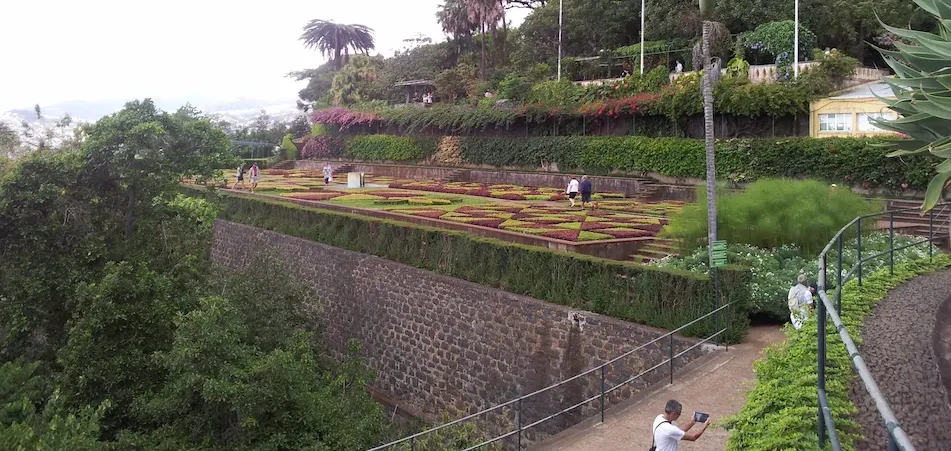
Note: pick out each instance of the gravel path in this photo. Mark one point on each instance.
(899, 351)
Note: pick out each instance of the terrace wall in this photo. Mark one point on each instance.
(445, 345)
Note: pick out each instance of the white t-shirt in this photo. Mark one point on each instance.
(800, 296)
(666, 435)
(572, 187)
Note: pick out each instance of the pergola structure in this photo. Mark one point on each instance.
(413, 87)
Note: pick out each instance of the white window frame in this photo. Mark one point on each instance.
(866, 126)
(835, 122)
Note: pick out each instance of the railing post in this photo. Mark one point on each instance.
(891, 243)
(602, 393)
(931, 234)
(716, 304)
(671, 357)
(838, 267)
(518, 422)
(858, 247)
(821, 312)
(412, 444)
(892, 444)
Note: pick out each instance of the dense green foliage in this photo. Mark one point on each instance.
(850, 161)
(654, 296)
(775, 270)
(288, 148)
(774, 41)
(771, 213)
(388, 147)
(117, 334)
(780, 412)
(921, 95)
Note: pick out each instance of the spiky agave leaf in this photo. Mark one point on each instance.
(922, 88)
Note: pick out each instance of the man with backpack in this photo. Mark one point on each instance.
(667, 435)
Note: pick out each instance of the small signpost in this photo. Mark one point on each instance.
(718, 254)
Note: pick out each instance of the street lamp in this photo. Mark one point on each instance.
(559, 38)
(642, 37)
(796, 44)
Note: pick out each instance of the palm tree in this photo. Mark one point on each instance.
(332, 38)
(485, 13)
(706, 9)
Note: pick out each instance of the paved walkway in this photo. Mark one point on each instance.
(901, 355)
(717, 386)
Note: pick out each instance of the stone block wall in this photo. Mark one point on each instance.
(447, 346)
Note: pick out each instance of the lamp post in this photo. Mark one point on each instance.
(642, 37)
(796, 44)
(559, 37)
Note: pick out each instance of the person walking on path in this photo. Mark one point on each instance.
(255, 174)
(585, 190)
(328, 174)
(240, 175)
(572, 190)
(799, 300)
(667, 435)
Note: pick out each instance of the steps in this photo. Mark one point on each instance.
(913, 222)
(344, 169)
(647, 189)
(655, 249)
(458, 175)
(286, 164)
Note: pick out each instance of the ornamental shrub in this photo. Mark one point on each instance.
(771, 213)
(322, 147)
(389, 147)
(289, 149)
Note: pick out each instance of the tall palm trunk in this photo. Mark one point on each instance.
(482, 38)
(708, 135)
(505, 32)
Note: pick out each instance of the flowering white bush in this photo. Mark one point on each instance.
(775, 270)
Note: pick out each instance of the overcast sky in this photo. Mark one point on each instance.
(69, 50)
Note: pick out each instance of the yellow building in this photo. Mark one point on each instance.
(847, 113)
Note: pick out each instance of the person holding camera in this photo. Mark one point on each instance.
(667, 435)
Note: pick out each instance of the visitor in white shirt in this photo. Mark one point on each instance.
(799, 300)
(667, 435)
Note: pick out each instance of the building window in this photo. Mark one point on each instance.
(866, 126)
(835, 122)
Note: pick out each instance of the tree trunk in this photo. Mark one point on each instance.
(505, 32)
(708, 135)
(482, 38)
(495, 43)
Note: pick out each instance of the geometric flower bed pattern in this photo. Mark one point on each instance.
(569, 224)
(502, 191)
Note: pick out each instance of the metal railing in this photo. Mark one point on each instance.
(832, 308)
(518, 433)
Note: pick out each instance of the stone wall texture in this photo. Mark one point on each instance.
(445, 346)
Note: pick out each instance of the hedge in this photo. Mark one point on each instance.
(853, 161)
(780, 412)
(647, 295)
(389, 147)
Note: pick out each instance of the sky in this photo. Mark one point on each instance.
(56, 51)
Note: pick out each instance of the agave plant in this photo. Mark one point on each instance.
(922, 88)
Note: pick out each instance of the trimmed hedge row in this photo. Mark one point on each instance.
(780, 412)
(647, 295)
(853, 161)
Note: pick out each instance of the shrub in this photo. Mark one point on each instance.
(322, 147)
(289, 149)
(780, 412)
(389, 147)
(647, 295)
(771, 213)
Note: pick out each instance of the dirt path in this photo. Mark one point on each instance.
(717, 387)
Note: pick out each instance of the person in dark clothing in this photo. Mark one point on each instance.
(585, 190)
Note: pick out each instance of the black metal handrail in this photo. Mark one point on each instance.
(897, 438)
(517, 402)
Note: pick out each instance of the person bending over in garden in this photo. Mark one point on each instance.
(585, 190)
(667, 435)
(572, 190)
(328, 173)
(799, 300)
(240, 175)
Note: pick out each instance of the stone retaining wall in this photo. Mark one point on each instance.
(446, 346)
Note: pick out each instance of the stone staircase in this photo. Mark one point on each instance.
(458, 175)
(343, 169)
(655, 249)
(286, 164)
(647, 190)
(913, 222)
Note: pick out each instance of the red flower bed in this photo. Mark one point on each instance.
(314, 196)
(592, 225)
(509, 196)
(488, 222)
(389, 194)
(567, 235)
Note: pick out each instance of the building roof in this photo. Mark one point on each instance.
(868, 90)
